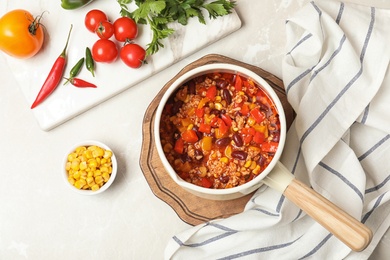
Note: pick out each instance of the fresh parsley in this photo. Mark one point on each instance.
(159, 13)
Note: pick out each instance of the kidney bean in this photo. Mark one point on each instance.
(222, 142)
(226, 95)
(239, 155)
(191, 88)
(275, 136)
(261, 161)
(198, 133)
(238, 139)
(220, 83)
(198, 154)
(185, 158)
(199, 79)
(215, 112)
(223, 178)
(176, 106)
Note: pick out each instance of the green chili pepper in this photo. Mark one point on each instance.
(74, 4)
(75, 70)
(89, 63)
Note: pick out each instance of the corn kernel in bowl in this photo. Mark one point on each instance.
(90, 167)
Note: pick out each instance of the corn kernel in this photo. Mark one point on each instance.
(95, 187)
(253, 165)
(71, 180)
(104, 169)
(83, 165)
(247, 163)
(256, 170)
(107, 154)
(97, 173)
(224, 159)
(75, 164)
(202, 171)
(88, 154)
(92, 163)
(80, 150)
(83, 174)
(90, 180)
(67, 166)
(99, 179)
(105, 176)
(218, 106)
(76, 175)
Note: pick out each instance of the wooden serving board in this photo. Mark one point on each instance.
(190, 208)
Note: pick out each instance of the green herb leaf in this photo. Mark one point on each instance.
(159, 13)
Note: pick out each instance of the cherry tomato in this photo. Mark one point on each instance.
(104, 51)
(93, 19)
(133, 55)
(105, 30)
(21, 35)
(125, 28)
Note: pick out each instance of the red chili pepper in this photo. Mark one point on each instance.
(81, 83)
(54, 77)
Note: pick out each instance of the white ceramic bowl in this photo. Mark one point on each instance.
(110, 180)
(230, 193)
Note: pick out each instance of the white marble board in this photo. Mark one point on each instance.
(67, 101)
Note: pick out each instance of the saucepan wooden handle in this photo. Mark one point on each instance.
(346, 228)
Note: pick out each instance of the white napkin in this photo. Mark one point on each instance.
(337, 79)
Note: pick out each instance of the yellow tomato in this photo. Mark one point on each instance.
(21, 35)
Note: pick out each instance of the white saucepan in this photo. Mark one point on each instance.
(349, 230)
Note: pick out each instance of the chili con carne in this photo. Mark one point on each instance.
(219, 130)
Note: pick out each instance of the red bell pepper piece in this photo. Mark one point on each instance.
(205, 128)
(244, 109)
(238, 83)
(206, 183)
(257, 115)
(54, 77)
(259, 138)
(190, 136)
(223, 128)
(270, 147)
(227, 119)
(179, 146)
(211, 92)
(199, 112)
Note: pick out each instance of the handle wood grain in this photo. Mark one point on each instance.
(342, 225)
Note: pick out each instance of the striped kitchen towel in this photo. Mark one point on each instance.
(337, 78)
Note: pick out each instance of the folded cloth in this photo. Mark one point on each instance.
(337, 79)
